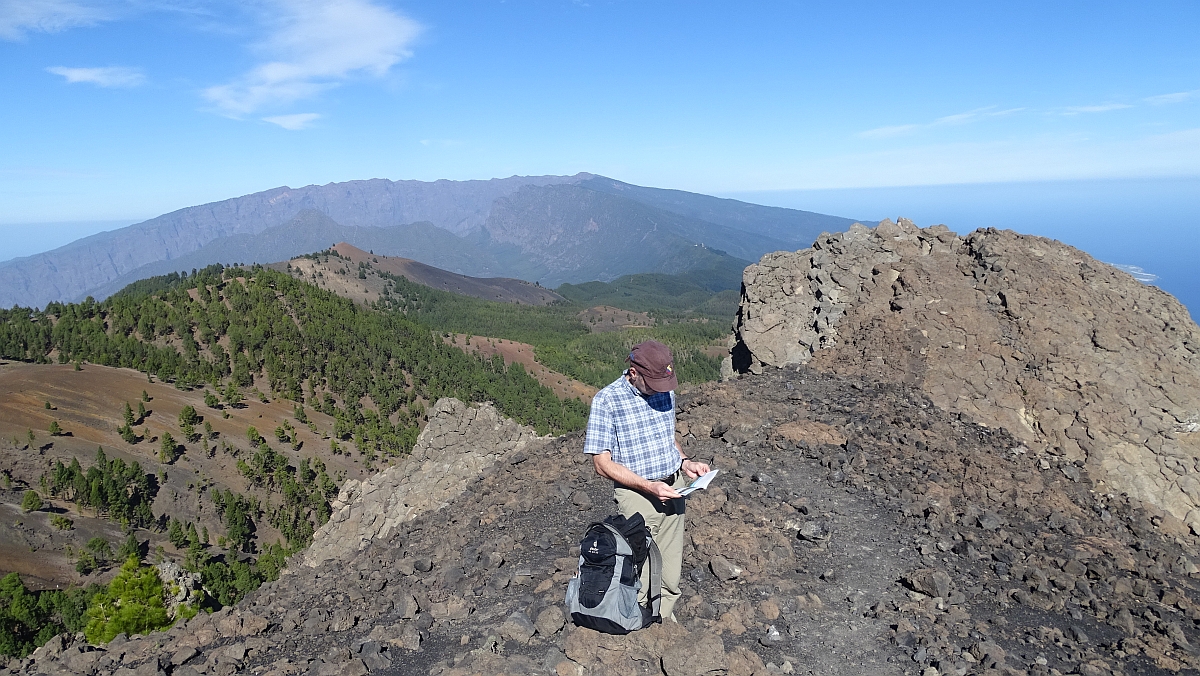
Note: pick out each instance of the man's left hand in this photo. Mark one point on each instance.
(694, 469)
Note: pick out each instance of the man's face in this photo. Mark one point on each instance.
(636, 379)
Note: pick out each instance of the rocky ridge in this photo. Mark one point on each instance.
(857, 529)
(457, 445)
(1071, 355)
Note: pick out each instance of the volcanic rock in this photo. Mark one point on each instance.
(904, 493)
(1082, 363)
(459, 443)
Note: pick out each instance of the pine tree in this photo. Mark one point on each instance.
(175, 533)
(132, 604)
(169, 451)
(131, 547)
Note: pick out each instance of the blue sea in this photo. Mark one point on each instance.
(1147, 224)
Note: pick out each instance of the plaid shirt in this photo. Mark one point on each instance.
(639, 430)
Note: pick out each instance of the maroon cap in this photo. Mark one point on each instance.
(653, 361)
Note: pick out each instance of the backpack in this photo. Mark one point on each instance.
(603, 594)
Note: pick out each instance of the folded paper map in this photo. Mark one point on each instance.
(700, 483)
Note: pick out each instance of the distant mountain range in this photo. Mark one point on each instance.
(548, 229)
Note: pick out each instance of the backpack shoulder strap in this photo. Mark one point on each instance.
(654, 594)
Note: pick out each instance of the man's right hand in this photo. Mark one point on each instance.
(663, 491)
(610, 469)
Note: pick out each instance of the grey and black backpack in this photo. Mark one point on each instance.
(603, 594)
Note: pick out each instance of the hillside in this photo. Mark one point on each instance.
(87, 404)
(272, 404)
(511, 227)
(857, 529)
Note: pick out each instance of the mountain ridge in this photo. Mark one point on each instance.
(461, 216)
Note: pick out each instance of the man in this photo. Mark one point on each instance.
(631, 438)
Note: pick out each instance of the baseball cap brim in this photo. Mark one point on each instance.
(661, 384)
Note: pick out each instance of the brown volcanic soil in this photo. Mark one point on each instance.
(347, 283)
(873, 531)
(88, 405)
(564, 386)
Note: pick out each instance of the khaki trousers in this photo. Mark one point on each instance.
(666, 523)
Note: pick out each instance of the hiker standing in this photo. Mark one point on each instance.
(631, 438)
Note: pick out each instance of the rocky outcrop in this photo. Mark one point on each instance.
(1069, 354)
(179, 583)
(458, 445)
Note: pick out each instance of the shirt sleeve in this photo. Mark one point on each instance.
(601, 433)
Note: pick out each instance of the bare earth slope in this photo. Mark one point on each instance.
(88, 406)
(856, 529)
(1069, 354)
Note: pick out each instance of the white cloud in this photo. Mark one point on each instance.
(18, 17)
(315, 45)
(294, 122)
(956, 119)
(1102, 108)
(1177, 97)
(114, 76)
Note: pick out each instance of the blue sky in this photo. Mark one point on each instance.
(126, 109)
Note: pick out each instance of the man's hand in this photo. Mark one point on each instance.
(662, 491)
(694, 469)
(610, 469)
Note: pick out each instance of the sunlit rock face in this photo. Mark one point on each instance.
(1076, 358)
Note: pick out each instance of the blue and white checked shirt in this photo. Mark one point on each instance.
(639, 430)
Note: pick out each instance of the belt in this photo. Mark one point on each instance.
(670, 478)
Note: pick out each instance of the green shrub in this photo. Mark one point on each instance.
(31, 501)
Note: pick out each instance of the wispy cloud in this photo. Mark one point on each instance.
(891, 132)
(948, 120)
(1177, 97)
(113, 76)
(1102, 108)
(18, 17)
(973, 115)
(294, 122)
(313, 46)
